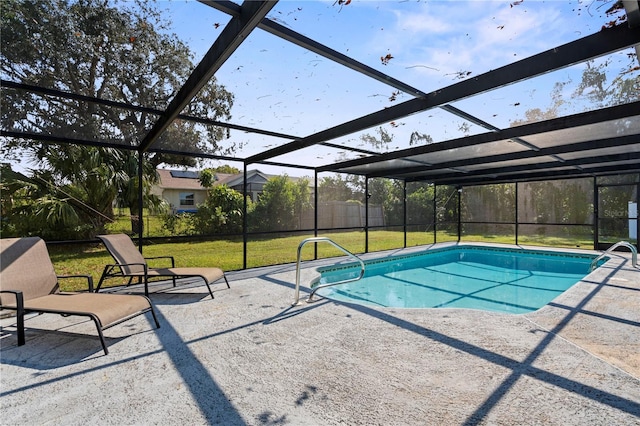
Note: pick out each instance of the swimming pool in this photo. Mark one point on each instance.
(494, 279)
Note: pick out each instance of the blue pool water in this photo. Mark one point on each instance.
(494, 279)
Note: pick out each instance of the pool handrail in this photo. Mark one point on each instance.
(313, 292)
(634, 254)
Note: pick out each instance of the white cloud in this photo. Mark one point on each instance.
(421, 23)
(475, 36)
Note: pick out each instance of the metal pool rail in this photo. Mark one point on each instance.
(634, 254)
(296, 300)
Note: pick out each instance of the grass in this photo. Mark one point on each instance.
(227, 253)
(153, 225)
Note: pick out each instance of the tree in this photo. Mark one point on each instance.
(221, 213)
(335, 188)
(93, 48)
(536, 114)
(418, 138)
(280, 204)
(208, 177)
(381, 142)
(389, 194)
(600, 85)
(73, 198)
(596, 87)
(32, 206)
(489, 203)
(420, 204)
(226, 169)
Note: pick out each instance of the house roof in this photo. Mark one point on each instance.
(178, 179)
(234, 180)
(171, 180)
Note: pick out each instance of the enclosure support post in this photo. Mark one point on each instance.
(596, 215)
(140, 199)
(637, 219)
(459, 213)
(245, 222)
(366, 214)
(404, 211)
(435, 214)
(516, 212)
(315, 213)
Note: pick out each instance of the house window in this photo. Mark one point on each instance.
(187, 199)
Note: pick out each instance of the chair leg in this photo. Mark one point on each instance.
(20, 319)
(20, 325)
(102, 277)
(225, 280)
(99, 328)
(153, 314)
(209, 287)
(146, 285)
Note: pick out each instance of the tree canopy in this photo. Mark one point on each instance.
(122, 52)
(280, 205)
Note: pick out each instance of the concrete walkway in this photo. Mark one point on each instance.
(248, 357)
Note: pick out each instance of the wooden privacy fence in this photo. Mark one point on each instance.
(343, 214)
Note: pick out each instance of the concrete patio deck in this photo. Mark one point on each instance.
(248, 357)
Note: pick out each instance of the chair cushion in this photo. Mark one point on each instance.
(109, 308)
(211, 274)
(25, 265)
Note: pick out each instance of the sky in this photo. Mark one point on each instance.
(427, 44)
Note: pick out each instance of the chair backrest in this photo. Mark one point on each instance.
(122, 249)
(25, 265)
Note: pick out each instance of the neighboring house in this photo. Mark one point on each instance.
(182, 189)
(255, 182)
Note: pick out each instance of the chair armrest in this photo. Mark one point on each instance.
(108, 270)
(19, 298)
(19, 313)
(120, 265)
(88, 277)
(173, 262)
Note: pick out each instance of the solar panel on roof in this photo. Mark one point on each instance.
(184, 174)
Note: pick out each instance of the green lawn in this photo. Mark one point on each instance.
(227, 253)
(153, 225)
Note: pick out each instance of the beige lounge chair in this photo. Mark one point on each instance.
(130, 263)
(28, 283)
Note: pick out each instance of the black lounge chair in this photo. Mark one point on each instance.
(28, 283)
(130, 263)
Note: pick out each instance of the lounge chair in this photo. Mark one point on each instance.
(28, 283)
(130, 263)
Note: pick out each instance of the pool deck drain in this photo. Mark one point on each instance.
(248, 357)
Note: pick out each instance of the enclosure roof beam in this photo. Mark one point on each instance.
(611, 169)
(632, 8)
(548, 166)
(64, 140)
(520, 155)
(129, 107)
(298, 39)
(578, 51)
(236, 31)
(478, 122)
(590, 117)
